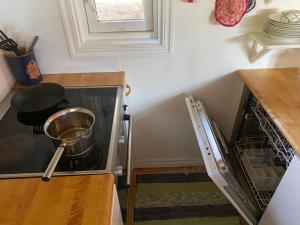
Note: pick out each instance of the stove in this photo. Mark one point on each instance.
(25, 151)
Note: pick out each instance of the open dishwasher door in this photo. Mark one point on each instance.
(213, 149)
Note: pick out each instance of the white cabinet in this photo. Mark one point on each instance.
(285, 204)
(116, 216)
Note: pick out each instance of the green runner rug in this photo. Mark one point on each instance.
(181, 199)
(230, 220)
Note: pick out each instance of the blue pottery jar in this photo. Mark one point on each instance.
(24, 68)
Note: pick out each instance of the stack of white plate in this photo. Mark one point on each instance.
(284, 26)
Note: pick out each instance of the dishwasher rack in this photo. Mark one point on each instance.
(283, 149)
(262, 197)
(272, 137)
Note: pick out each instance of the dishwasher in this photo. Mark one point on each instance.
(249, 168)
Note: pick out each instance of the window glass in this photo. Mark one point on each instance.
(120, 10)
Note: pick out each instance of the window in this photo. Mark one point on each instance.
(118, 10)
(120, 15)
(117, 27)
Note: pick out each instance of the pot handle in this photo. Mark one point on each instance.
(52, 165)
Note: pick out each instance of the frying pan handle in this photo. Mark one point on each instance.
(52, 165)
(64, 103)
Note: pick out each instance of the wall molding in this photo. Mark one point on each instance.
(83, 43)
(152, 163)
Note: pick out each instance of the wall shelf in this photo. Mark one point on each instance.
(267, 44)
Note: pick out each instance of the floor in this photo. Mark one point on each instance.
(177, 196)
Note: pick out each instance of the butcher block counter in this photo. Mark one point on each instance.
(71, 200)
(278, 91)
(99, 79)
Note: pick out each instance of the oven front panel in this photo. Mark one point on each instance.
(124, 165)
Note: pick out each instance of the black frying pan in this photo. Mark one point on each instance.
(38, 98)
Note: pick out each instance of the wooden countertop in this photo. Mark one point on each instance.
(70, 200)
(84, 79)
(278, 91)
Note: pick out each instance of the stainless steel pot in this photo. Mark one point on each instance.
(71, 131)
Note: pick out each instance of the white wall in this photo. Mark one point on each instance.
(203, 64)
(6, 79)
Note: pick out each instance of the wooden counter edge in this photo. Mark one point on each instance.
(111, 179)
(97, 79)
(242, 72)
(17, 195)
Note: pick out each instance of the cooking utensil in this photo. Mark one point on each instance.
(3, 36)
(37, 103)
(38, 98)
(22, 50)
(37, 119)
(18, 37)
(71, 132)
(34, 41)
(230, 12)
(8, 44)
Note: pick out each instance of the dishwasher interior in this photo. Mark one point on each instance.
(260, 154)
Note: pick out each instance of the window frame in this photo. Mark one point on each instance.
(121, 26)
(83, 43)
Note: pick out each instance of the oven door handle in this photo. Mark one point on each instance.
(129, 118)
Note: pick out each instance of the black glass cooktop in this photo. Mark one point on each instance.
(25, 149)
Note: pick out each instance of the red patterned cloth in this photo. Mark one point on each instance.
(230, 12)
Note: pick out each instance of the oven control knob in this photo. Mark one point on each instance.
(118, 171)
(122, 140)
